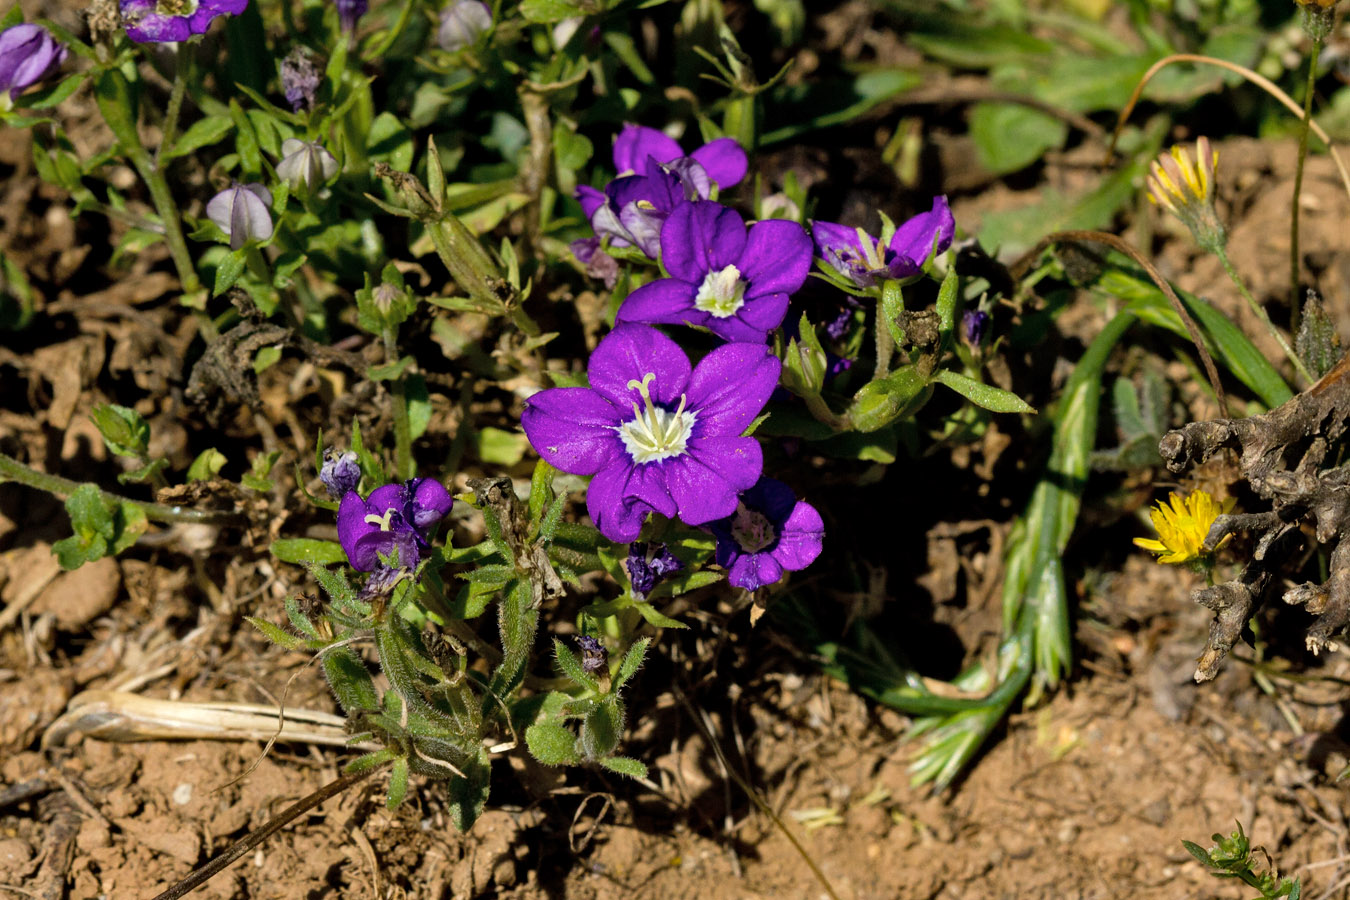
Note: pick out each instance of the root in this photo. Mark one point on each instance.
(1289, 457)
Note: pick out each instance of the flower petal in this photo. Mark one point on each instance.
(773, 498)
(724, 159)
(667, 301)
(800, 539)
(431, 502)
(831, 239)
(913, 241)
(707, 478)
(777, 257)
(730, 387)
(753, 321)
(699, 237)
(618, 517)
(754, 570)
(351, 522)
(637, 142)
(572, 429)
(628, 354)
(590, 198)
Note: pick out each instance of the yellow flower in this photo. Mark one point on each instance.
(1182, 527)
(1185, 187)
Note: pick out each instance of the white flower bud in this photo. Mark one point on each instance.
(305, 165)
(241, 211)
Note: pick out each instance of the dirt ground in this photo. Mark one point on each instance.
(1086, 796)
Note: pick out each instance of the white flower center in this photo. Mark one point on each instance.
(176, 7)
(721, 293)
(752, 530)
(654, 433)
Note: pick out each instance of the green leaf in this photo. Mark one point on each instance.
(552, 744)
(881, 402)
(350, 680)
(600, 730)
(124, 430)
(624, 765)
(308, 550)
(1010, 136)
(419, 405)
(206, 466)
(92, 518)
(147, 472)
(497, 447)
(548, 11)
(265, 358)
(632, 661)
(228, 272)
(245, 141)
(398, 783)
(390, 142)
(1318, 343)
(570, 666)
(983, 395)
(468, 795)
(202, 133)
(1200, 853)
(648, 612)
(276, 634)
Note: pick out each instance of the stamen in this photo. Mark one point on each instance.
(722, 293)
(655, 433)
(752, 529)
(382, 521)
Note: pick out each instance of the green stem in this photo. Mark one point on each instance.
(182, 67)
(13, 470)
(1261, 315)
(885, 345)
(1298, 187)
(403, 462)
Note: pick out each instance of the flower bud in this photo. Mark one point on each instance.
(241, 212)
(462, 23)
(351, 10)
(305, 165)
(300, 79)
(1185, 188)
(592, 653)
(340, 472)
(28, 54)
(974, 326)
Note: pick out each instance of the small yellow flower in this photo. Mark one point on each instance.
(1182, 527)
(1185, 187)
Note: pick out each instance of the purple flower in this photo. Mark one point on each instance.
(462, 23)
(862, 258)
(241, 212)
(300, 79)
(160, 21)
(639, 150)
(598, 263)
(633, 208)
(340, 472)
(974, 326)
(393, 518)
(771, 531)
(592, 653)
(650, 564)
(349, 11)
(28, 54)
(734, 283)
(657, 436)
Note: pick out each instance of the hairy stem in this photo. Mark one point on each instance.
(182, 68)
(13, 470)
(403, 461)
(1298, 187)
(1261, 315)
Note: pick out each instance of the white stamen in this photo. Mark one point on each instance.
(655, 433)
(721, 294)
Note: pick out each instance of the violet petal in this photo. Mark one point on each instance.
(730, 387)
(573, 429)
(724, 159)
(628, 354)
(777, 257)
(700, 237)
(636, 142)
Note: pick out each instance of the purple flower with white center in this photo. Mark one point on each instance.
(770, 532)
(974, 326)
(462, 23)
(656, 435)
(592, 653)
(28, 54)
(241, 211)
(162, 21)
(650, 564)
(340, 472)
(300, 79)
(864, 259)
(349, 11)
(394, 517)
(733, 282)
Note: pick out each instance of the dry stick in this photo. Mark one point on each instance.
(1260, 81)
(1116, 243)
(254, 838)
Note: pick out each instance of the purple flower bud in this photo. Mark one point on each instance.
(305, 164)
(241, 212)
(28, 54)
(462, 23)
(170, 21)
(300, 79)
(974, 326)
(340, 472)
(650, 564)
(592, 653)
(351, 10)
